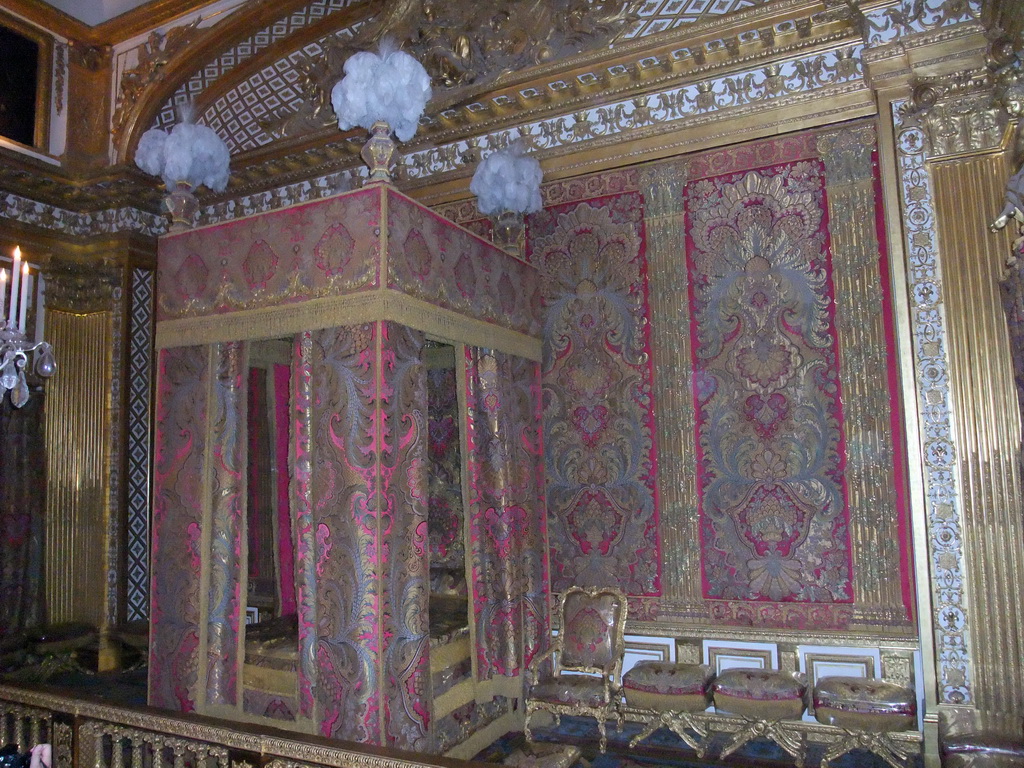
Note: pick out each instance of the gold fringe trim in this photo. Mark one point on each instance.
(334, 311)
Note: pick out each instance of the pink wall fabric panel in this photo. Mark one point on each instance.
(599, 414)
(183, 378)
(285, 537)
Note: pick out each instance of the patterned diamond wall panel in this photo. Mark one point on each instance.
(271, 92)
(659, 15)
(201, 80)
(140, 374)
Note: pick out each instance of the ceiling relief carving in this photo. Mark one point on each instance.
(154, 55)
(465, 46)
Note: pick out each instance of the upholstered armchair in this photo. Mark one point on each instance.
(592, 623)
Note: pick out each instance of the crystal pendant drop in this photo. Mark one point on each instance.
(19, 395)
(46, 366)
(9, 377)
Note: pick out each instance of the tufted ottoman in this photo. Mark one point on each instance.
(770, 701)
(868, 711)
(662, 693)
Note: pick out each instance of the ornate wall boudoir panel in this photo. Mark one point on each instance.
(402, 436)
(345, 514)
(178, 510)
(598, 417)
(774, 253)
(770, 441)
(228, 521)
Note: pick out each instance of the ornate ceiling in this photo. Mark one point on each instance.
(262, 80)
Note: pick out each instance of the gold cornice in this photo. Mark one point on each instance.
(325, 151)
(110, 187)
(49, 18)
(129, 249)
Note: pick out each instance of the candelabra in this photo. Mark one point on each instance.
(15, 347)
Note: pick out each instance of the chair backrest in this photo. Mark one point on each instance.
(592, 629)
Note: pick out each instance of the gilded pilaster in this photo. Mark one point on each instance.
(968, 189)
(662, 187)
(80, 326)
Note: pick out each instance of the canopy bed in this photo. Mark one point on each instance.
(386, 362)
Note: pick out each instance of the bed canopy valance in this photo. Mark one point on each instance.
(346, 297)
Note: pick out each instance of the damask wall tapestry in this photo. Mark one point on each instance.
(723, 322)
(772, 282)
(598, 415)
(22, 513)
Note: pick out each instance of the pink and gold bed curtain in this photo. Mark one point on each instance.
(506, 511)
(366, 528)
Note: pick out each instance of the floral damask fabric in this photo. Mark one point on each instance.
(181, 413)
(770, 454)
(506, 511)
(367, 486)
(598, 414)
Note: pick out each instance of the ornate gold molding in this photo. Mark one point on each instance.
(80, 288)
(969, 111)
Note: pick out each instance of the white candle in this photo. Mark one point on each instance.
(39, 308)
(15, 277)
(3, 291)
(26, 286)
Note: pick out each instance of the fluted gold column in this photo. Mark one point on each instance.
(986, 423)
(79, 325)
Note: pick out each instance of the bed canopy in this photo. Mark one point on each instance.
(357, 297)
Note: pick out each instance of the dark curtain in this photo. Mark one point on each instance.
(22, 506)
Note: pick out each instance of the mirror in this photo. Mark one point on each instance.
(449, 595)
(271, 574)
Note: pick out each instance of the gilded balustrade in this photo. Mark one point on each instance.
(87, 734)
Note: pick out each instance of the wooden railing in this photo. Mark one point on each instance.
(87, 733)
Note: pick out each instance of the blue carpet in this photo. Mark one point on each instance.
(663, 749)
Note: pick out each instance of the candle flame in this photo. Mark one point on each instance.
(3, 275)
(24, 268)
(17, 253)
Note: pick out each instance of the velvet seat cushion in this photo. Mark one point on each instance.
(871, 705)
(761, 694)
(570, 690)
(668, 687)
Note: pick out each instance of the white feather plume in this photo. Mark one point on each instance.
(390, 86)
(149, 155)
(190, 152)
(508, 180)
